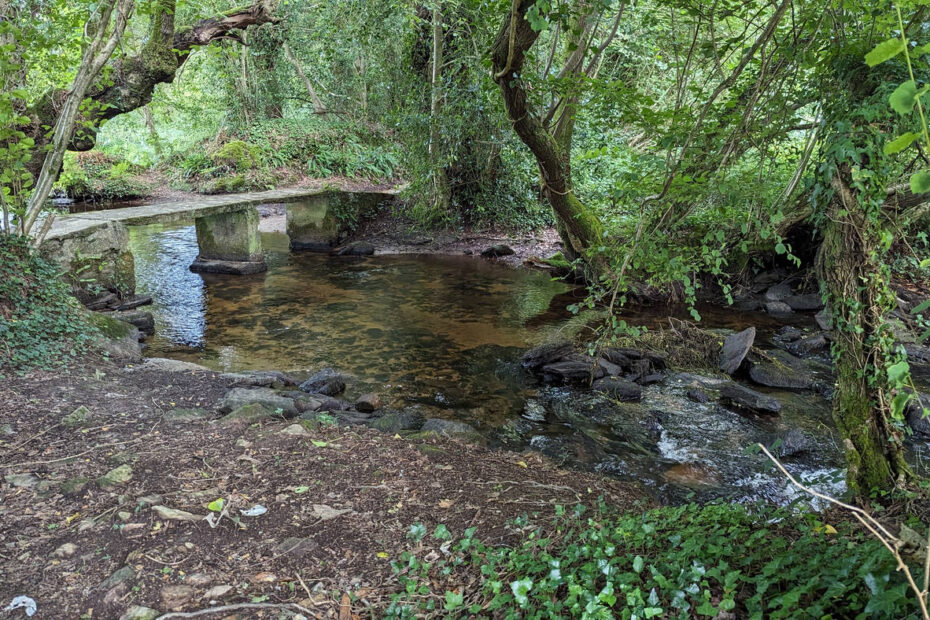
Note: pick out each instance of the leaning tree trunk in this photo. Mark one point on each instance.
(852, 281)
(580, 227)
(133, 79)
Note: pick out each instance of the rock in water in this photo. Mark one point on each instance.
(777, 307)
(804, 303)
(576, 370)
(498, 250)
(743, 398)
(395, 421)
(367, 403)
(915, 415)
(620, 389)
(778, 292)
(546, 354)
(793, 443)
(356, 248)
(534, 411)
(327, 382)
(780, 369)
(735, 348)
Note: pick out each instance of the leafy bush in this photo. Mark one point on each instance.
(681, 562)
(41, 324)
(94, 175)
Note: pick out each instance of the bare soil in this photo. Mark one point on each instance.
(339, 500)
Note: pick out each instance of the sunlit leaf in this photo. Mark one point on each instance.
(886, 50)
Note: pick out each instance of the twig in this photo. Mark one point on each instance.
(234, 607)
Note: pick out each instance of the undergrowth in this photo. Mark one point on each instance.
(41, 323)
(688, 561)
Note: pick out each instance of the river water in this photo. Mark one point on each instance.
(446, 333)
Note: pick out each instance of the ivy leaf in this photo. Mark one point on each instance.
(521, 589)
(905, 96)
(453, 600)
(920, 182)
(886, 50)
(900, 143)
(897, 373)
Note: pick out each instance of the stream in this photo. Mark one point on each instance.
(445, 333)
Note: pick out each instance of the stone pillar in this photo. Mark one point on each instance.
(229, 243)
(313, 225)
(96, 262)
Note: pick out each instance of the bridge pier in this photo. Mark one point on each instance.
(229, 243)
(321, 222)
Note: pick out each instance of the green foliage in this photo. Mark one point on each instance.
(94, 175)
(678, 562)
(41, 323)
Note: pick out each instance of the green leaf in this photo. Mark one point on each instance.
(780, 248)
(898, 373)
(904, 97)
(886, 50)
(521, 588)
(300, 490)
(216, 505)
(920, 182)
(453, 600)
(637, 564)
(319, 444)
(925, 303)
(900, 143)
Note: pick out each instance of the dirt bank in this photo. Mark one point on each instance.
(339, 500)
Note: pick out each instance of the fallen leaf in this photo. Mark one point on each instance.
(383, 555)
(345, 607)
(325, 513)
(446, 503)
(523, 464)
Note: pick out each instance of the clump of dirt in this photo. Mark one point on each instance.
(87, 456)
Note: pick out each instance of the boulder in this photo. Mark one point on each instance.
(778, 292)
(327, 382)
(498, 250)
(735, 348)
(809, 345)
(619, 389)
(367, 403)
(651, 378)
(914, 415)
(356, 248)
(748, 305)
(134, 302)
(610, 368)
(577, 370)
(548, 353)
(777, 307)
(267, 398)
(780, 369)
(824, 320)
(917, 354)
(261, 378)
(395, 421)
(743, 398)
(794, 443)
(246, 415)
(163, 364)
(810, 302)
(451, 428)
(143, 321)
(788, 333)
(617, 357)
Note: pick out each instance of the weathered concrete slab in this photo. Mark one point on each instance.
(167, 213)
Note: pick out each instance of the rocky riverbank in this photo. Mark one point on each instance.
(130, 492)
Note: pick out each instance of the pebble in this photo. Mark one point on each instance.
(65, 551)
(175, 597)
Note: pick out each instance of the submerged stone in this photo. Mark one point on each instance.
(451, 428)
(619, 389)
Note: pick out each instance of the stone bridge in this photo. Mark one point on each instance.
(93, 248)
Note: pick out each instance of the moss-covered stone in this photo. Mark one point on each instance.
(238, 155)
(245, 415)
(230, 236)
(78, 417)
(115, 477)
(111, 328)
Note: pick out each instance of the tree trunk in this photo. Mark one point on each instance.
(318, 106)
(133, 79)
(850, 280)
(440, 180)
(95, 57)
(582, 231)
